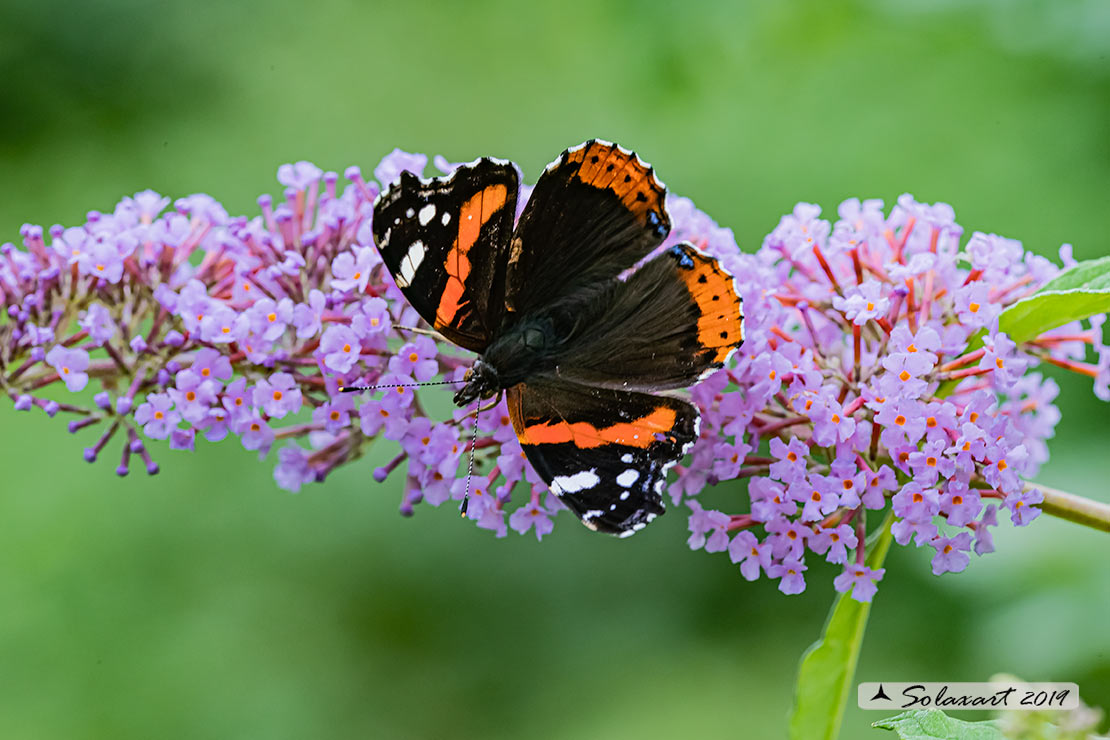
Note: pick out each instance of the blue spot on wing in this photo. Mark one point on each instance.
(683, 258)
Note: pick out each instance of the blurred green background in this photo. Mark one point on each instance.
(205, 603)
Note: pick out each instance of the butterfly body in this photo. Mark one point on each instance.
(575, 315)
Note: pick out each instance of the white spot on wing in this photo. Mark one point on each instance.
(628, 477)
(410, 264)
(626, 457)
(446, 218)
(573, 483)
(427, 213)
(409, 213)
(624, 495)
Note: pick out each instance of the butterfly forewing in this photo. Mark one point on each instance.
(445, 240)
(603, 452)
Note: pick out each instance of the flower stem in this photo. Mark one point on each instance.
(1085, 511)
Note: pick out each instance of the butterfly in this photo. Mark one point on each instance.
(583, 347)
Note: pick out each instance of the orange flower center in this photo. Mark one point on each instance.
(973, 307)
(900, 420)
(277, 395)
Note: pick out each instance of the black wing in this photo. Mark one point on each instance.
(595, 211)
(678, 317)
(604, 453)
(445, 241)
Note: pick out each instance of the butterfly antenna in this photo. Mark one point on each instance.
(473, 445)
(470, 467)
(426, 332)
(357, 388)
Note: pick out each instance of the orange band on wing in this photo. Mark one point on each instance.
(637, 433)
(606, 166)
(719, 307)
(475, 213)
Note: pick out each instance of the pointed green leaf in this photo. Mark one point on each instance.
(1076, 293)
(933, 724)
(825, 674)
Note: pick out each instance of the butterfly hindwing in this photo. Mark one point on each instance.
(603, 452)
(676, 318)
(445, 239)
(594, 212)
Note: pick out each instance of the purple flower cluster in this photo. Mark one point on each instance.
(189, 322)
(192, 322)
(873, 371)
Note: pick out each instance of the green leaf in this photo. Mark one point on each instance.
(933, 724)
(825, 674)
(1076, 293)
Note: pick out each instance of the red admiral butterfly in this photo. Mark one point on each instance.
(579, 348)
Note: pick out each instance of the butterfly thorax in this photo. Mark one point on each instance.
(525, 350)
